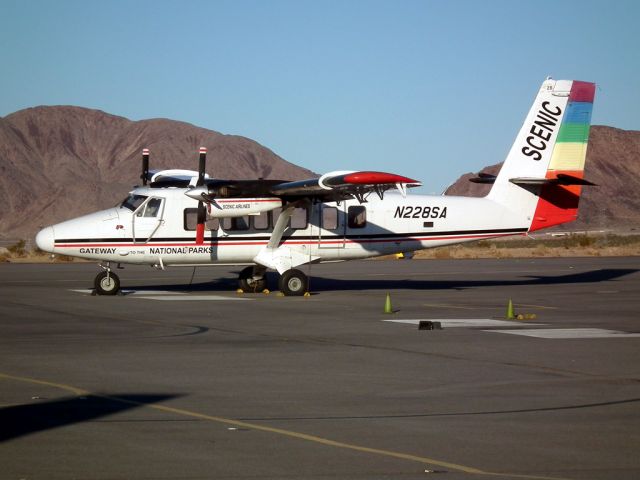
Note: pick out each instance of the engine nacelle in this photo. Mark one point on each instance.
(238, 207)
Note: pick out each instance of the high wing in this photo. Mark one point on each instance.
(333, 186)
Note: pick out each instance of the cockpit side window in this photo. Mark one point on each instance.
(152, 208)
(133, 201)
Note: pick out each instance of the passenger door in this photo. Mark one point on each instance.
(331, 226)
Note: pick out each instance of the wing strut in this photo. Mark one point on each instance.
(282, 257)
(280, 227)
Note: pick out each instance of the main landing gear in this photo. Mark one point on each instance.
(252, 280)
(107, 282)
(292, 282)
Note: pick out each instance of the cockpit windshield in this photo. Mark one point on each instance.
(133, 201)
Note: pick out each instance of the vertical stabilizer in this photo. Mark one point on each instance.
(543, 171)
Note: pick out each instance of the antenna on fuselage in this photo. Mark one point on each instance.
(145, 166)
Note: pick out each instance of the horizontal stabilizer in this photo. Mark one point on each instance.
(560, 179)
(565, 179)
(483, 178)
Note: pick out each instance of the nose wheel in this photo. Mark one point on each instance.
(107, 283)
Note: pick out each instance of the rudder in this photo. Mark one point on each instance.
(544, 170)
(558, 202)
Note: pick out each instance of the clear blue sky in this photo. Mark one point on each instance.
(429, 89)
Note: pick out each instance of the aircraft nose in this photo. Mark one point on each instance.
(45, 239)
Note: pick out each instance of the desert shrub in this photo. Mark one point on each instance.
(585, 240)
(613, 240)
(18, 249)
(442, 253)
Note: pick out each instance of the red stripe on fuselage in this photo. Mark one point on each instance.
(288, 242)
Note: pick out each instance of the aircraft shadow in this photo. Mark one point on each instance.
(327, 284)
(20, 420)
(320, 284)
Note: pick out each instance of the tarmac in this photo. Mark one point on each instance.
(183, 378)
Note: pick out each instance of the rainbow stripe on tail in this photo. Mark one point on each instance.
(558, 199)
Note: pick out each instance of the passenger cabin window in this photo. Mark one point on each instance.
(191, 221)
(212, 224)
(299, 219)
(265, 221)
(357, 216)
(235, 223)
(329, 218)
(261, 222)
(240, 223)
(275, 213)
(133, 201)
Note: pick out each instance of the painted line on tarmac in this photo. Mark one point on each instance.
(544, 307)
(163, 295)
(88, 291)
(279, 431)
(191, 298)
(519, 328)
(569, 333)
(460, 307)
(466, 322)
(486, 307)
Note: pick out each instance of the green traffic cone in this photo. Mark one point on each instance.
(387, 305)
(510, 314)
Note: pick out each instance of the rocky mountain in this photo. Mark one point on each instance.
(613, 163)
(61, 162)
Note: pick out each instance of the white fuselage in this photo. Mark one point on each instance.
(159, 229)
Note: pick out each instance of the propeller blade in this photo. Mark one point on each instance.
(202, 211)
(201, 166)
(145, 166)
(202, 217)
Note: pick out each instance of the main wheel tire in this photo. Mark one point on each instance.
(247, 283)
(107, 283)
(294, 283)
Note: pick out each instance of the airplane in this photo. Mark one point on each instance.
(182, 217)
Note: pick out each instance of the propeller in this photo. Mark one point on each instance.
(145, 166)
(202, 210)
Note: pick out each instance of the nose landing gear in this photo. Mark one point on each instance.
(107, 282)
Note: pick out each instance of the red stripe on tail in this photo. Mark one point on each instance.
(557, 203)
